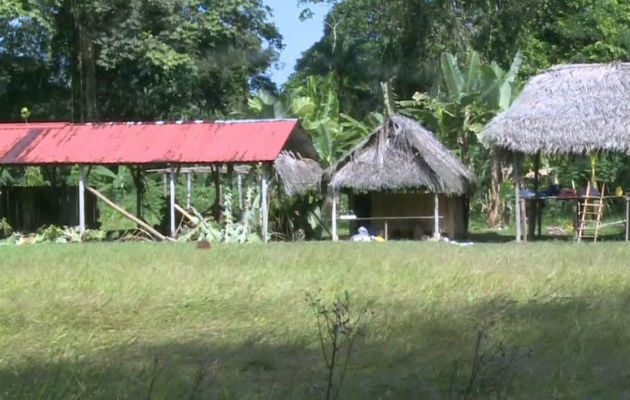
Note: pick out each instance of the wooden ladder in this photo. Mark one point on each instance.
(591, 213)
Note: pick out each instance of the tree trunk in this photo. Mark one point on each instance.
(87, 70)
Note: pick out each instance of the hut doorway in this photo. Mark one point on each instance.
(361, 206)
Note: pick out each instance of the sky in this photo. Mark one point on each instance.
(297, 35)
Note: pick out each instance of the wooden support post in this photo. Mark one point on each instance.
(536, 224)
(265, 206)
(81, 200)
(517, 202)
(333, 216)
(165, 184)
(126, 214)
(386, 231)
(627, 216)
(172, 202)
(216, 178)
(436, 216)
(230, 175)
(188, 189)
(524, 220)
(138, 181)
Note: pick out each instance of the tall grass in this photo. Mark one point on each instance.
(157, 321)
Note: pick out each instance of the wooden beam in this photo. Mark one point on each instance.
(172, 202)
(128, 215)
(436, 216)
(186, 214)
(81, 200)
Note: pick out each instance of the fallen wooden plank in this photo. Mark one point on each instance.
(186, 214)
(122, 211)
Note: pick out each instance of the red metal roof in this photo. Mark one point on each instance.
(145, 143)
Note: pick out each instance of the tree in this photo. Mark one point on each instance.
(26, 68)
(369, 41)
(380, 41)
(550, 32)
(134, 60)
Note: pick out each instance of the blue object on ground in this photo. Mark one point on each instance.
(527, 194)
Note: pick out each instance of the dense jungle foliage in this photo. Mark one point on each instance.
(452, 65)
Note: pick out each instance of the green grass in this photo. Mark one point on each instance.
(109, 321)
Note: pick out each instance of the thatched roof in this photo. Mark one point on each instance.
(401, 154)
(568, 109)
(298, 174)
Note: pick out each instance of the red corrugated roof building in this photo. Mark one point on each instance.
(152, 143)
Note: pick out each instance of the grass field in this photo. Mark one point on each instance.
(138, 321)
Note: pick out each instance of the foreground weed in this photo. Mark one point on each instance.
(337, 330)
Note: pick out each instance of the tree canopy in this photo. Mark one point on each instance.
(133, 59)
(368, 41)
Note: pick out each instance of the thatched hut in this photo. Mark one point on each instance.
(568, 109)
(402, 177)
(574, 109)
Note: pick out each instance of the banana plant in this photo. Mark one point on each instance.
(333, 133)
(468, 97)
(316, 104)
(485, 83)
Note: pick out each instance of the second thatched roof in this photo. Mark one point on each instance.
(401, 155)
(298, 174)
(576, 108)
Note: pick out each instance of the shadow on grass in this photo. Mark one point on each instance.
(550, 347)
(490, 237)
(502, 237)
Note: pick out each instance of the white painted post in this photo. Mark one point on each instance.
(165, 183)
(333, 217)
(188, 189)
(436, 216)
(81, 200)
(264, 207)
(239, 183)
(172, 202)
(517, 209)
